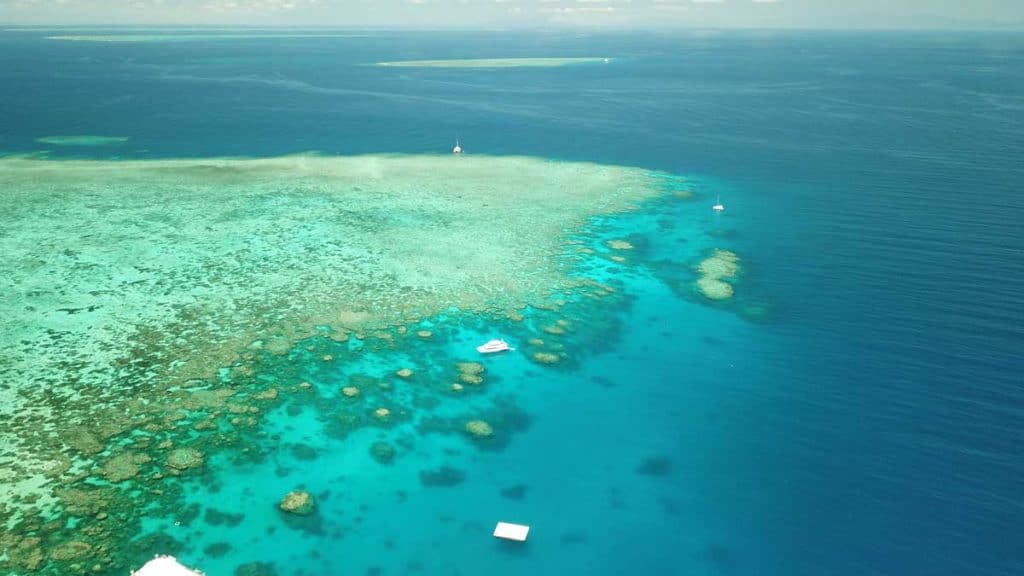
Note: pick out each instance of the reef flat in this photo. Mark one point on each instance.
(126, 280)
(492, 63)
(83, 140)
(187, 37)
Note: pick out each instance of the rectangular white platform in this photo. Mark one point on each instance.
(510, 531)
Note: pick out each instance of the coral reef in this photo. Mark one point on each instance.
(445, 476)
(470, 372)
(217, 549)
(83, 140)
(256, 569)
(73, 550)
(298, 502)
(268, 394)
(515, 492)
(714, 289)
(722, 264)
(215, 517)
(163, 363)
(492, 62)
(479, 429)
(184, 458)
(655, 466)
(123, 466)
(546, 358)
(382, 452)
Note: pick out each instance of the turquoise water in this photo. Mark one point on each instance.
(868, 423)
(572, 443)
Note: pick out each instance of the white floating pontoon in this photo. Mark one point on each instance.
(494, 346)
(507, 531)
(164, 566)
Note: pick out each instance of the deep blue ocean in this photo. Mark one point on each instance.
(874, 184)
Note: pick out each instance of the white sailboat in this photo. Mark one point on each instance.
(457, 149)
(718, 207)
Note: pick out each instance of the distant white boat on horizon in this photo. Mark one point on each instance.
(493, 346)
(718, 207)
(457, 149)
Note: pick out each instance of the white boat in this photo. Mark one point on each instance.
(493, 346)
(457, 149)
(718, 207)
(164, 566)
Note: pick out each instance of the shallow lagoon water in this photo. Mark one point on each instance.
(851, 410)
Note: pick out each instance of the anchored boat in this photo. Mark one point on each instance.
(718, 207)
(494, 346)
(164, 566)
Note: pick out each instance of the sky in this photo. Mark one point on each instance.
(626, 14)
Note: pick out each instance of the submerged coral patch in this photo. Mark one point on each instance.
(479, 429)
(445, 476)
(714, 289)
(82, 140)
(716, 272)
(184, 458)
(298, 502)
(655, 466)
(382, 452)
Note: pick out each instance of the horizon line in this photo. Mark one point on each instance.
(1009, 27)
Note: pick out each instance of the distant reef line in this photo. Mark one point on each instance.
(83, 140)
(189, 37)
(494, 63)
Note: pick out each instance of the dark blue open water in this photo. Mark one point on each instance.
(874, 190)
